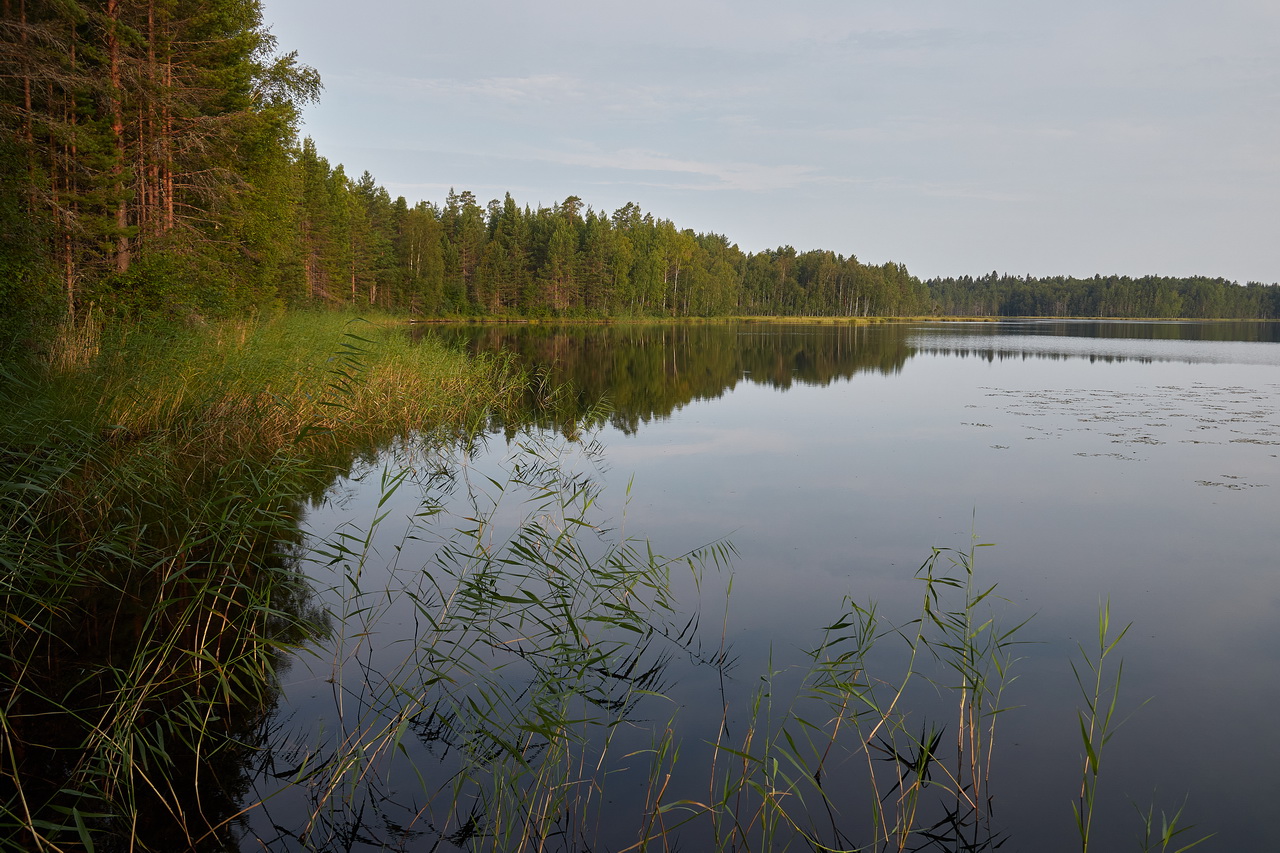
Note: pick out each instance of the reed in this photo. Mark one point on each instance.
(547, 637)
(1162, 836)
(264, 383)
(150, 492)
(787, 781)
(155, 586)
(1100, 695)
(539, 633)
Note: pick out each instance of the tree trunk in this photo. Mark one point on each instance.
(116, 96)
(166, 152)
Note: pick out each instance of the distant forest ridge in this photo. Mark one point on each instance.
(150, 166)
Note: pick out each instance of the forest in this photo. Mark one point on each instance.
(171, 411)
(151, 169)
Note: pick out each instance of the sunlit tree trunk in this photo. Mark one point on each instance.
(116, 100)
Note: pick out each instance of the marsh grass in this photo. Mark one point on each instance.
(137, 653)
(845, 762)
(151, 487)
(525, 647)
(262, 384)
(540, 647)
(156, 586)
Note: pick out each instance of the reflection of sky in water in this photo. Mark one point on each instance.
(1152, 481)
(1006, 345)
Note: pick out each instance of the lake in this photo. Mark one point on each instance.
(1131, 465)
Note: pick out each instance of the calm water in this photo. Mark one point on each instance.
(1135, 463)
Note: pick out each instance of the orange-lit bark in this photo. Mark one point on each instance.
(116, 98)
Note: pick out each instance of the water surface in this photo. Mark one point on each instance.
(1132, 463)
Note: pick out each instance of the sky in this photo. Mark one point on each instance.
(958, 137)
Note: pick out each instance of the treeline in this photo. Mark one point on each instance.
(146, 156)
(150, 166)
(362, 247)
(997, 295)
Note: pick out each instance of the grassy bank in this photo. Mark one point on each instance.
(624, 320)
(155, 584)
(150, 490)
(264, 383)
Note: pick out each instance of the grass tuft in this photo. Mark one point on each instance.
(150, 490)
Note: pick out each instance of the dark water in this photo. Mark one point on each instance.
(1125, 462)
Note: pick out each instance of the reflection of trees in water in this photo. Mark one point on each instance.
(1024, 339)
(1233, 330)
(1141, 330)
(994, 354)
(644, 372)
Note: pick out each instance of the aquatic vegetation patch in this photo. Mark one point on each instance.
(149, 503)
(160, 602)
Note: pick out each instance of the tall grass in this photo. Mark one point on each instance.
(154, 587)
(537, 646)
(787, 781)
(151, 486)
(525, 647)
(261, 384)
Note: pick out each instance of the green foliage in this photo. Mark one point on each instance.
(151, 168)
(536, 640)
(1152, 297)
(145, 133)
(349, 243)
(154, 586)
(28, 282)
(150, 590)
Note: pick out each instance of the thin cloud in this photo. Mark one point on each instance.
(648, 101)
(537, 88)
(718, 176)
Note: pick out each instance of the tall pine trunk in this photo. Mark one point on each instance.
(116, 97)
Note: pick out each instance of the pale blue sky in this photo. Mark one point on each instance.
(1098, 136)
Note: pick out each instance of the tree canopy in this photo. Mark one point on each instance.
(150, 166)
